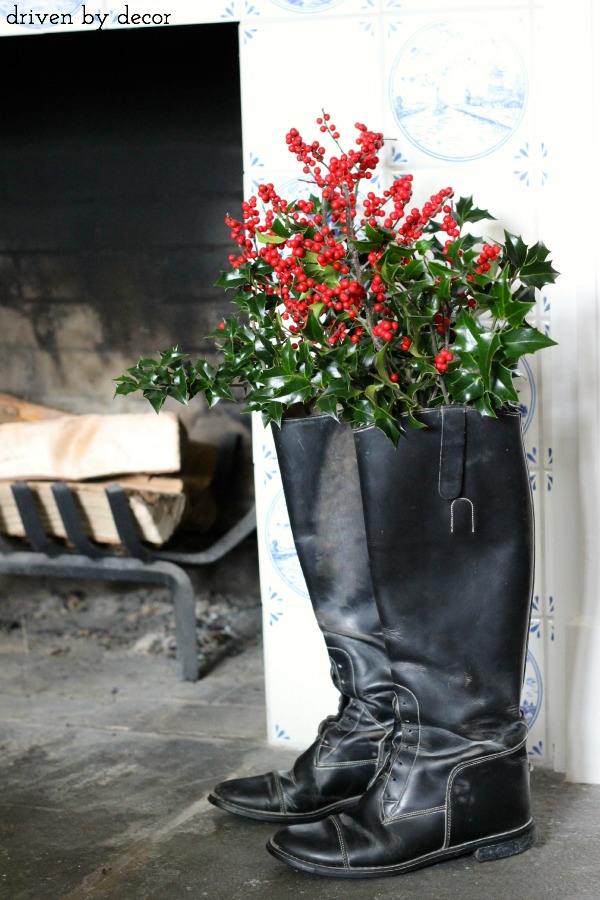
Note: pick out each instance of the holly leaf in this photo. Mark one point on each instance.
(516, 311)
(502, 383)
(313, 329)
(536, 270)
(387, 423)
(328, 404)
(466, 211)
(465, 383)
(487, 346)
(288, 358)
(515, 249)
(524, 340)
(467, 332)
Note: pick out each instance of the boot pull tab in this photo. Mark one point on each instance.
(471, 509)
(452, 451)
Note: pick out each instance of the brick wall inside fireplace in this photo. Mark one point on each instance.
(117, 167)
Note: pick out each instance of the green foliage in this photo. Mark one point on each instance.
(338, 312)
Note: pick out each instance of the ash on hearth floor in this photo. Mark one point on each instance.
(139, 619)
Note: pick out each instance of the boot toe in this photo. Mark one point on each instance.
(317, 847)
(254, 797)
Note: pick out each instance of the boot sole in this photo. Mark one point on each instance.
(498, 846)
(283, 818)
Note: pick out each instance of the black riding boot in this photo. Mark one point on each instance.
(317, 461)
(449, 527)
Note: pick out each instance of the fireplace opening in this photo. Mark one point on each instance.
(118, 163)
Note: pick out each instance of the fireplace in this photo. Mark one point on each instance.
(117, 169)
(116, 172)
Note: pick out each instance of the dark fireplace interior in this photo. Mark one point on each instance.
(118, 164)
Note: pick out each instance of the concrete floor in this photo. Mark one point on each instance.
(106, 759)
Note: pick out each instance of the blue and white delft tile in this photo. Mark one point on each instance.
(264, 132)
(311, 10)
(458, 85)
(548, 555)
(510, 177)
(536, 482)
(280, 572)
(474, 6)
(527, 387)
(533, 694)
(281, 551)
(299, 690)
(296, 665)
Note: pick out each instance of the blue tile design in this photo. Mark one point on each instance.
(530, 158)
(397, 155)
(275, 615)
(526, 388)
(280, 734)
(270, 465)
(280, 546)
(458, 90)
(239, 10)
(306, 6)
(531, 698)
(368, 26)
(254, 164)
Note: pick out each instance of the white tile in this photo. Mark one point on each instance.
(305, 10)
(299, 691)
(267, 53)
(521, 174)
(280, 550)
(457, 84)
(533, 695)
(527, 385)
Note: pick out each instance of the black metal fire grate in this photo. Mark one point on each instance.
(43, 555)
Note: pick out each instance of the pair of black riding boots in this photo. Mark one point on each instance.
(419, 565)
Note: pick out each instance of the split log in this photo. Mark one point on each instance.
(167, 478)
(14, 409)
(159, 505)
(73, 448)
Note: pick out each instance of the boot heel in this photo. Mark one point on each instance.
(507, 848)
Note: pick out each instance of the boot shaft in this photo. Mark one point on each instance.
(317, 463)
(449, 525)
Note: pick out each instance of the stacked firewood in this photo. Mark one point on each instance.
(167, 479)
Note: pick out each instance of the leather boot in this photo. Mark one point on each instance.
(449, 525)
(317, 461)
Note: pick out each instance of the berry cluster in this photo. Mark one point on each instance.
(361, 305)
(415, 222)
(310, 246)
(489, 254)
(442, 360)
